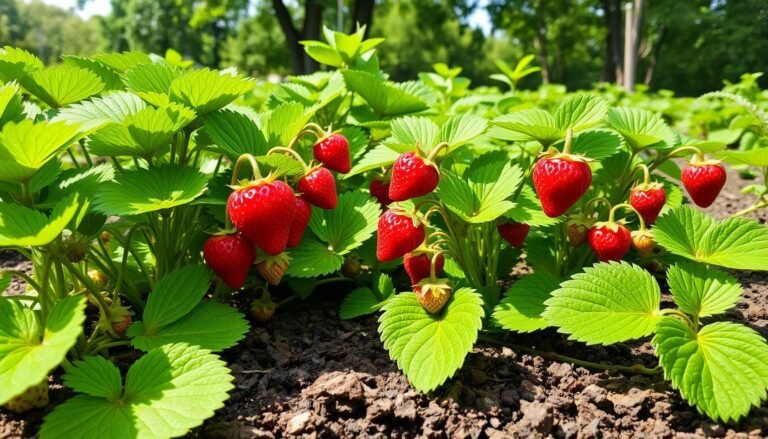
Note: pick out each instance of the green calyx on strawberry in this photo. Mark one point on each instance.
(272, 268)
(610, 240)
(577, 228)
(318, 187)
(433, 294)
(560, 180)
(648, 199)
(643, 242)
(33, 397)
(263, 211)
(74, 249)
(332, 150)
(263, 308)
(399, 232)
(230, 256)
(418, 264)
(412, 176)
(116, 320)
(703, 179)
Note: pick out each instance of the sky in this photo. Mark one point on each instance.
(479, 18)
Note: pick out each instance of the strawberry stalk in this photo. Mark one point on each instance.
(290, 152)
(436, 150)
(612, 214)
(239, 164)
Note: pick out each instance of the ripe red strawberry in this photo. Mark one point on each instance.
(609, 240)
(412, 176)
(230, 257)
(560, 180)
(319, 188)
(333, 152)
(643, 241)
(300, 221)
(514, 233)
(703, 181)
(34, 397)
(380, 190)
(648, 200)
(263, 211)
(272, 268)
(418, 264)
(398, 233)
(433, 294)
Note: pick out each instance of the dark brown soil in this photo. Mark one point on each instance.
(308, 374)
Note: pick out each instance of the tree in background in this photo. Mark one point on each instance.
(258, 47)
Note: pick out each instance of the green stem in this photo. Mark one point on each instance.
(287, 300)
(554, 356)
(568, 141)
(755, 207)
(239, 163)
(26, 277)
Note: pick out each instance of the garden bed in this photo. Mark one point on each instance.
(308, 373)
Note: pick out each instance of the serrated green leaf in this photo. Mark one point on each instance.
(520, 309)
(752, 157)
(208, 90)
(322, 53)
(722, 370)
(641, 128)
(235, 134)
(379, 157)
(734, 243)
(109, 77)
(82, 181)
(386, 99)
(152, 82)
(122, 61)
(410, 132)
(149, 190)
(351, 223)
(597, 144)
(168, 391)
(211, 325)
(313, 258)
(174, 296)
(701, 291)
(95, 376)
(24, 227)
(28, 352)
(359, 302)
(16, 63)
(462, 129)
(607, 303)
(280, 165)
(483, 193)
(60, 86)
(11, 105)
(26, 146)
(152, 128)
(528, 210)
(285, 122)
(96, 112)
(527, 125)
(580, 111)
(428, 348)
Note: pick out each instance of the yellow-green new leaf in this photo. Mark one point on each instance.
(702, 291)
(60, 86)
(27, 145)
(24, 227)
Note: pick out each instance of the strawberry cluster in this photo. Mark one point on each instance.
(270, 217)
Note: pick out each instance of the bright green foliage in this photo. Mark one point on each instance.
(732, 243)
(22, 226)
(28, 350)
(60, 86)
(96, 112)
(11, 106)
(387, 99)
(167, 392)
(701, 291)
(149, 190)
(607, 303)
(176, 313)
(363, 301)
(752, 157)
(521, 308)
(483, 193)
(27, 145)
(235, 134)
(722, 369)
(430, 349)
(207, 90)
(641, 128)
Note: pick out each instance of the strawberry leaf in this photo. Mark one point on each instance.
(428, 348)
(235, 134)
(380, 156)
(733, 243)
(122, 61)
(409, 133)
(527, 125)
(176, 313)
(520, 309)
(60, 86)
(17, 63)
(641, 128)
(359, 302)
(702, 291)
(351, 223)
(312, 258)
(28, 351)
(462, 129)
(285, 122)
(109, 77)
(752, 157)
(722, 369)
(168, 391)
(386, 98)
(152, 82)
(26, 146)
(96, 112)
(24, 227)
(149, 190)
(208, 90)
(596, 144)
(607, 303)
(11, 105)
(580, 111)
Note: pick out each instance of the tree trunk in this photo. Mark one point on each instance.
(655, 51)
(613, 50)
(540, 43)
(362, 14)
(313, 21)
(292, 36)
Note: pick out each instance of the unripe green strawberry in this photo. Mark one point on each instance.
(34, 397)
(433, 294)
(263, 308)
(272, 268)
(74, 250)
